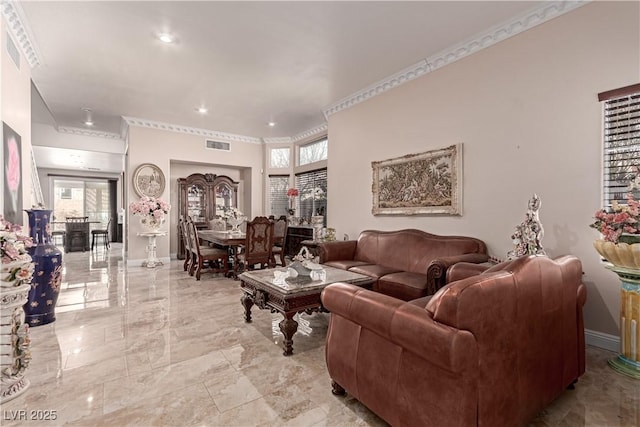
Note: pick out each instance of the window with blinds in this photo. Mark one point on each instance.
(312, 189)
(621, 144)
(278, 186)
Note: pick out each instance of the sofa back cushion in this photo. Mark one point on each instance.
(411, 250)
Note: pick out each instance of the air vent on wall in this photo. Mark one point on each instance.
(217, 145)
(13, 51)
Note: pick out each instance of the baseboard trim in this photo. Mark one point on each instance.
(602, 340)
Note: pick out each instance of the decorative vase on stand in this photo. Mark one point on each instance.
(14, 333)
(624, 260)
(151, 223)
(47, 276)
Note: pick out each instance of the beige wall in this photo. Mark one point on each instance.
(527, 112)
(15, 110)
(164, 148)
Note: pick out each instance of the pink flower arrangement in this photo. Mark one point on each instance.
(150, 206)
(292, 192)
(13, 248)
(621, 219)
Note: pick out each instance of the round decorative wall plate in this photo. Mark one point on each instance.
(148, 180)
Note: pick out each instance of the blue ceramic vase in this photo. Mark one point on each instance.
(47, 276)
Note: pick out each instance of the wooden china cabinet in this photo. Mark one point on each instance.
(203, 197)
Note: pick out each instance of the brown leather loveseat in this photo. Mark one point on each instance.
(407, 264)
(493, 349)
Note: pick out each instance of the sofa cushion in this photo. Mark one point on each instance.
(346, 264)
(403, 285)
(411, 250)
(373, 270)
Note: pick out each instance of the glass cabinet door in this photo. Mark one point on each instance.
(196, 203)
(224, 198)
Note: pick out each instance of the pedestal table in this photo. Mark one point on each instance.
(152, 260)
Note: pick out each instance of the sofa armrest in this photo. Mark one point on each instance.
(463, 270)
(437, 270)
(406, 325)
(337, 250)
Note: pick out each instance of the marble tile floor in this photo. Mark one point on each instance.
(133, 346)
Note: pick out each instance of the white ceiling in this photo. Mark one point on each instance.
(248, 62)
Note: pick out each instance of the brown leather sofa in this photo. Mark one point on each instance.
(493, 349)
(407, 264)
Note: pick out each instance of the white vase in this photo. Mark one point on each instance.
(317, 222)
(151, 223)
(236, 222)
(15, 354)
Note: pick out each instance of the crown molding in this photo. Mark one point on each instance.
(517, 25)
(218, 136)
(283, 140)
(323, 128)
(13, 13)
(388, 83)
(88, 132)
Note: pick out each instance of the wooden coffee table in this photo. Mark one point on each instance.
(294, 296)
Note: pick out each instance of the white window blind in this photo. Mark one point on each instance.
(621, 144)
(279, 202)
(312, 188)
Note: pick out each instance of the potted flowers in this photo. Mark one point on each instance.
(17, 267)
(151, 211)
(292, 193)
(621, 233)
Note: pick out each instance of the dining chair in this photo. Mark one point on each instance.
(218, 224)
(103, 234)
(217, 258)
(279, 237)
(188, 253)
(258, 244)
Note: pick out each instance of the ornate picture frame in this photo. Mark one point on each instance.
(425, 183)
(148, 180)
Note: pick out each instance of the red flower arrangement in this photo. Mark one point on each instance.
(292, 192)
(621, 219)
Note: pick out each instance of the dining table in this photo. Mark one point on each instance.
(229, 239)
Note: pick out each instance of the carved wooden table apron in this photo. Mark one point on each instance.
(291, 297)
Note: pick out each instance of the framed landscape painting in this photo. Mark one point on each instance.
(424, 183)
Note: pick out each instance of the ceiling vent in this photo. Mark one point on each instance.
(217, 145)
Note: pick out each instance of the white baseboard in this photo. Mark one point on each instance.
(602, 340)
(138, 262)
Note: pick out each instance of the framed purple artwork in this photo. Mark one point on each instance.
(12, 164)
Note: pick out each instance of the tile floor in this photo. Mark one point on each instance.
(138, 347)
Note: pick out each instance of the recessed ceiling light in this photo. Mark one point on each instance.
(271, 124)
(202, 110)
(166, 38)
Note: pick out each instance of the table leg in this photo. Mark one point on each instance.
(288, 327)
(247, 303)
